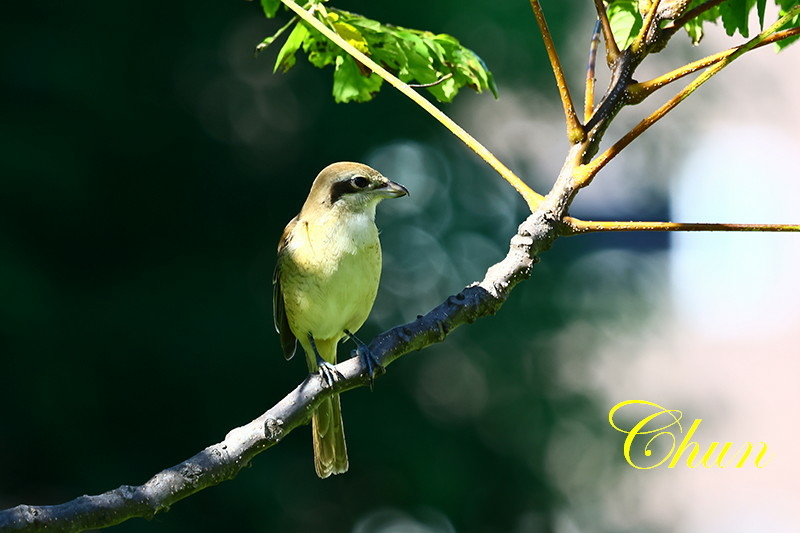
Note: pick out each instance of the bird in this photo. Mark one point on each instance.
(325, 282)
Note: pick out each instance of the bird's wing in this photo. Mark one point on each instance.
(288, 340)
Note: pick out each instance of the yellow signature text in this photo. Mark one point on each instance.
(660, 428)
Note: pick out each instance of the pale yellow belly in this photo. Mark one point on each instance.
(324, 296)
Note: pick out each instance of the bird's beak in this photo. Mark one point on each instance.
(392, 190)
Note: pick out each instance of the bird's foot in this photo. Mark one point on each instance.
(367, 358)
(328, 373)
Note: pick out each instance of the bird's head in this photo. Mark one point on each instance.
(351, 187)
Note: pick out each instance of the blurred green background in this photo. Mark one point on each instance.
(149, 164)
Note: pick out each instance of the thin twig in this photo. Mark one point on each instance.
(587, 172)
(640, 91)
(612, 51)
(591, 79)
(647, 28)
(531, 197)
(576, 226)
(432, 84)
(269, 40)
(575, 132)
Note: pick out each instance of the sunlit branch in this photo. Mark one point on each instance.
(591, 79)
(224, 460)
(531, 197)
(575, 131)
(649, 20)
(575, 226)
(612, 51)
(640, 91)
(588, 171)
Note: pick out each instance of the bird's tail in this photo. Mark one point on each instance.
(330, 450)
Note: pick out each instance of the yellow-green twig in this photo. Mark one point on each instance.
(575, 132)
(649, 19)
(591, 79)
(612, 51)
(575, 226)
(640, 91)
(588, 171)
(531, 197)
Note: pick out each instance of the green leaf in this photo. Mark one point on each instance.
(414, 56)
(488, 75)
(793, 23)
(349, 85)
(694, 27)
(695, 30)
(286, 56)
(734, 17)
(270, 7)
(269, 40)
(786, 5)
(625, 20)
(350, 33)
(762, 6)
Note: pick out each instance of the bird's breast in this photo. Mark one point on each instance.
(329, 276)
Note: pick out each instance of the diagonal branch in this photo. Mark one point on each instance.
(639, 91)
(591, 169)
(612, 50)
(223, 461)
(575, 131)
(576, 226)
(650, 19)
(591, 79)
(532, 198)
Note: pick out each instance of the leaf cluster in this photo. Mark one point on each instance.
(626, 17)
(436, 61)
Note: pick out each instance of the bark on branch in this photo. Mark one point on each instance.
(224, 460)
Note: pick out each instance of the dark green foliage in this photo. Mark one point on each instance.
(733, 14)
(785, 6)
(415, 56)
(625, 21)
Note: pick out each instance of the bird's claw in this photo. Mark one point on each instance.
(370, 362)
(328, 374)
(367, 359)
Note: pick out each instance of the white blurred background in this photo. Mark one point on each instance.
(722, 340)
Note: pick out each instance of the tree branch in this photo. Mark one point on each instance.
(575, 131)
(576, 226)
(591, 80)
(612, 50)
(639, 91)
(223, 461)
(532, 198)
(591, 169)
(648, 28)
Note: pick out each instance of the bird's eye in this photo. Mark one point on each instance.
(359, 182)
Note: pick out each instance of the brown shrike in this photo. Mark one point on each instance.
(326, 279)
